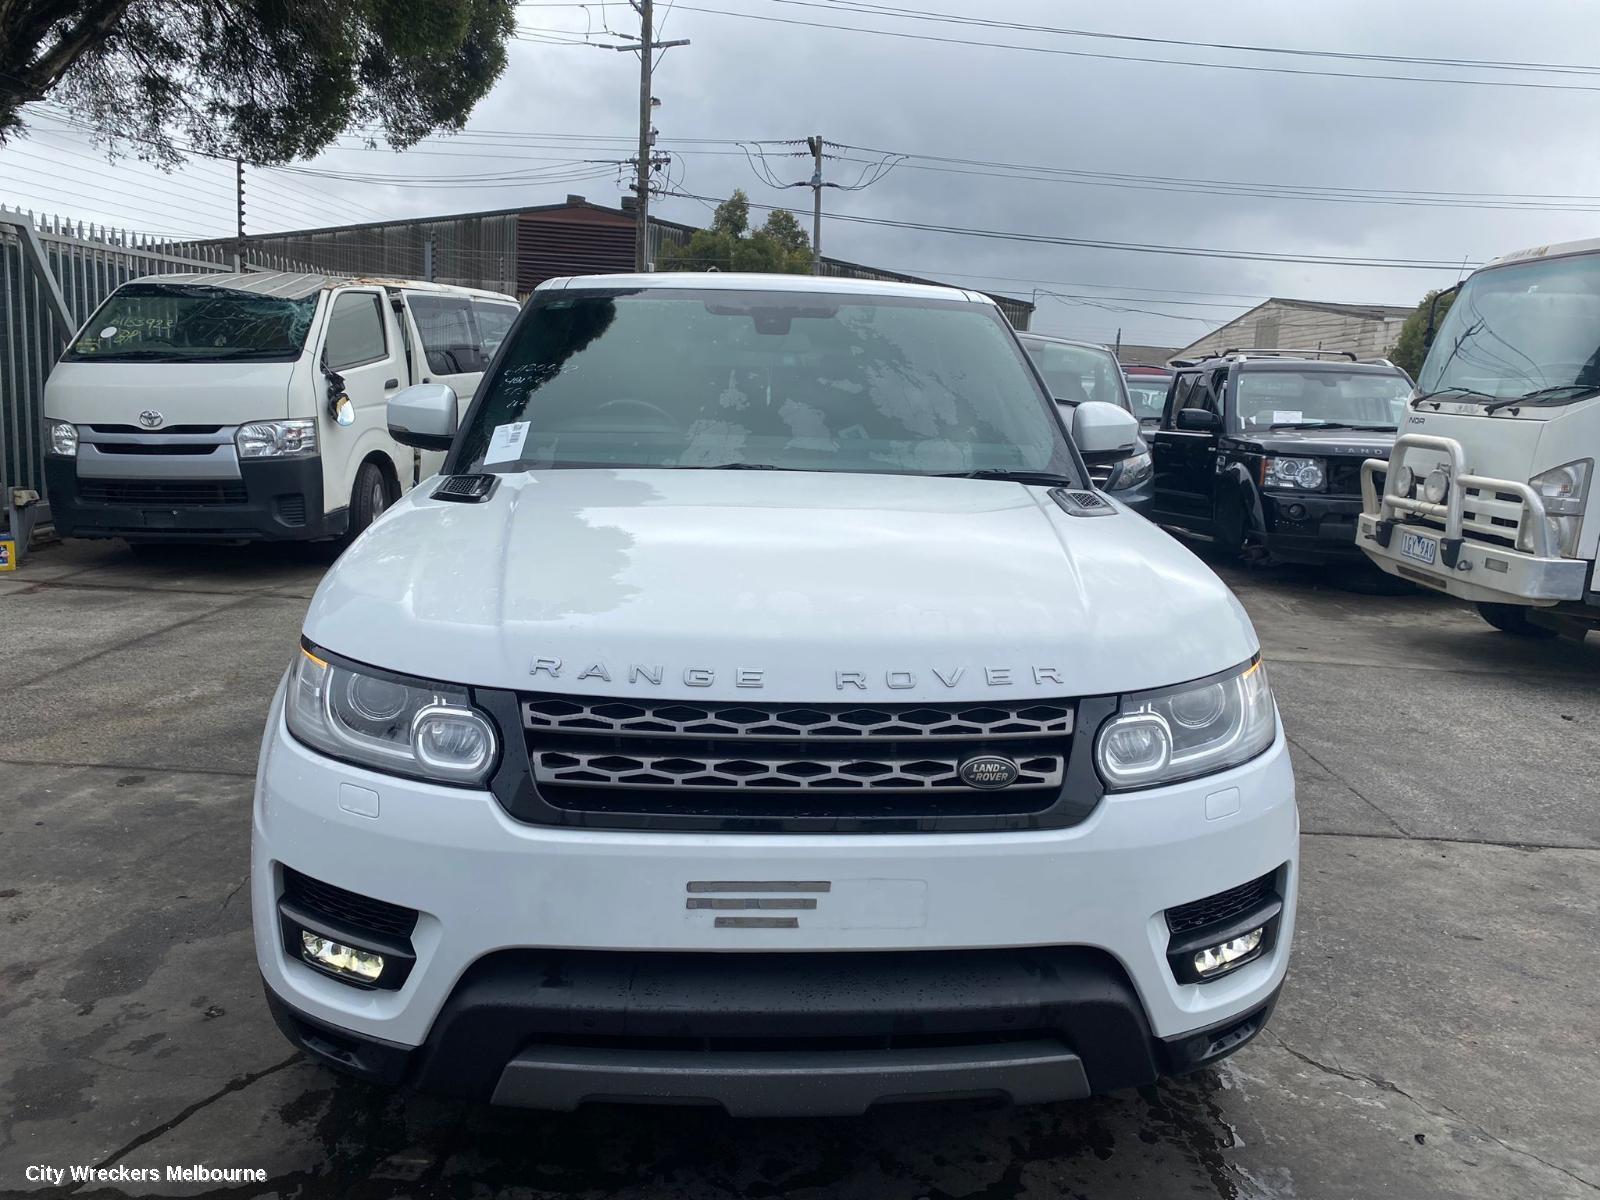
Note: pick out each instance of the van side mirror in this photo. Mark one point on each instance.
(1103, 432)
(423, 416)
(1198, 420)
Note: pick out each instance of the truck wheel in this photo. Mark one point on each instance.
(1513, 619)
(368, 499)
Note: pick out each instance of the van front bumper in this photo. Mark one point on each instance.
(270, 500)
(549, 966)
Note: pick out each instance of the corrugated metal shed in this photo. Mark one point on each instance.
(1365, 330)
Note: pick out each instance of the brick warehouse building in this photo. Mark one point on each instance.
(513, 250)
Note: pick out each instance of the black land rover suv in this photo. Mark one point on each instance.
(1264, 449)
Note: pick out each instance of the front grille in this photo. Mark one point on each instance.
(161, 493)
(350, 910)
(162, 448)
(605, 755)
(161, 431)
(1223, 906)
(1344, 477)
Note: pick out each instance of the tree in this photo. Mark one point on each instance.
(1409, 351)
(264, 80)
(780, 246)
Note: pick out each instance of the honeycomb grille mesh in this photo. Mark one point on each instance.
(937, 773)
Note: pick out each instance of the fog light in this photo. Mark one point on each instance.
(1405, 482)
(1436, 486)
(1224, 956)
(340, 959)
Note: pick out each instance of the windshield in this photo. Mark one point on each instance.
(157, 322)
(1148, 395)
(1530, 327)
(1268, 398)
(784, 380)
(1078, 373)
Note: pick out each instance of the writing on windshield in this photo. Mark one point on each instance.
(1527, 330)
(193, 323)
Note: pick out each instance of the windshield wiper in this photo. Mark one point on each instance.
(1456, 390)
(1544, 395)
(1328, 425)
(732, 466)
(1011, 475)
(127, 356)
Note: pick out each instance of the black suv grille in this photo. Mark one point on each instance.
(161, 493)
(358, 913)
(604, 755)
(1222, 907)
(1344, 476)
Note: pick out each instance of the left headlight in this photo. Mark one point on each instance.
(388, 722)
(1130, 472)
(277, 439)
(63, 439)
(1194, 729)
(1301, 474)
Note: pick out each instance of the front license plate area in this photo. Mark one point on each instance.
(1418, 548)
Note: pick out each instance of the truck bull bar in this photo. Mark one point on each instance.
(1391, 508)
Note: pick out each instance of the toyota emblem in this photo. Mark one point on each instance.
(150, 418)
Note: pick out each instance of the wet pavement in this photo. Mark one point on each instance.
(1437, 1036)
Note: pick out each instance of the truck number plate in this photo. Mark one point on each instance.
(1423, 549)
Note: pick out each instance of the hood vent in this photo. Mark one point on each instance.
(1077, 503)
(465, 489)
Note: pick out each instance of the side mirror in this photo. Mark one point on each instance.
(1103, 432)
(423, 416)
(1199, 420)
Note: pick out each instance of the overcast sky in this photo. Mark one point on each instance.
(744, 78)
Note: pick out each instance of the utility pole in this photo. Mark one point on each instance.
(238, 198)
(1117, 350)
(815, 143)
(647, 135)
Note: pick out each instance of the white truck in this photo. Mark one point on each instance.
(220, 407)
(764, 709)
(1489, 491)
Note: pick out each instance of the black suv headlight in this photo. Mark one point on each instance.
(1294, 474)
(388, 722)
(1192, 729)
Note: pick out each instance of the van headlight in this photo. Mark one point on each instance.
(63, 439)
(1194, 729)
(277, 439)
(388, 722)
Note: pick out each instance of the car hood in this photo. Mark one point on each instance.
(115, 393)
(775, 585)
(1329, 443)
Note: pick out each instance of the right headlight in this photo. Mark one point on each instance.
(277, 439)
(63, 439)
(1193, 729)
(388, 722)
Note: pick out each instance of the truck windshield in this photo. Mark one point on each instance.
(157, 322)
(694, 378)
(1530, 329)
(1276, 399)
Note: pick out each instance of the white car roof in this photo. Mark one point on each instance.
(1553, 250)
(296, 285)
(833, 284)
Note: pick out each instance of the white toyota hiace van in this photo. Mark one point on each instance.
(210, 407)
(764, 709)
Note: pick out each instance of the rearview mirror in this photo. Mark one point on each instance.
(1199, 420)
(423, 416)
(1103, 432)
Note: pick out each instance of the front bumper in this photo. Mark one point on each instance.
(1483, 572)
(276, 500)
(1307, 528)
(554, 965)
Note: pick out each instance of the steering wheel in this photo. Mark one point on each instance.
(667, 419)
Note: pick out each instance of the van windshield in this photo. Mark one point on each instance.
(158, 322)
(694, 378)
(1530, 329)
(1277, 399)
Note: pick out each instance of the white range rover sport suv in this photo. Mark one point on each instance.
(762, 709)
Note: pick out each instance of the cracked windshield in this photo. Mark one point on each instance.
(764, 380)
(1345, 399)
(1528, 331)
(154, 322)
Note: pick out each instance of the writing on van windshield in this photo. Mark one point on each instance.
(191, 323)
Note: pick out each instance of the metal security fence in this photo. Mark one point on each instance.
(53, 275)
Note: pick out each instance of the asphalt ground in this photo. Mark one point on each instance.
(1438, 1035)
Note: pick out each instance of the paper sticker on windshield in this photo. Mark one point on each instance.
(110, 331)
(506, 444)
(1280, 417)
